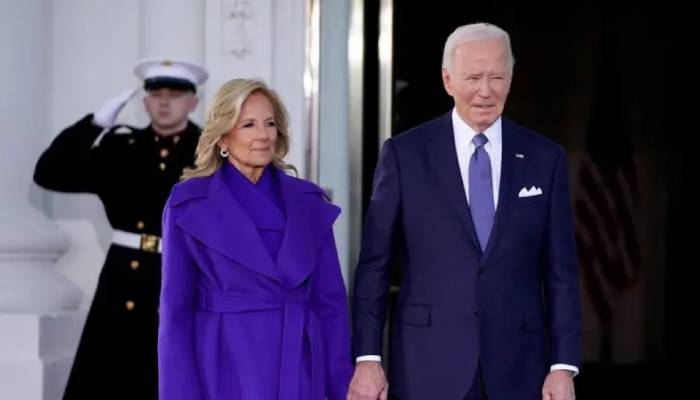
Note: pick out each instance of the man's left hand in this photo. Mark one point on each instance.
(559, 385)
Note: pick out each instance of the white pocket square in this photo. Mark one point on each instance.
(533, 191)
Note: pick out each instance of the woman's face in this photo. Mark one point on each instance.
(251, 143)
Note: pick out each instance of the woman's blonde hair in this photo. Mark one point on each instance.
(223, 115)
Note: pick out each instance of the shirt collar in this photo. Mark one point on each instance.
(493, 133)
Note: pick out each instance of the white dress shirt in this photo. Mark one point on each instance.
(465, 148)
(463, 135)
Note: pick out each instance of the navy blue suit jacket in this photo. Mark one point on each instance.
(515, 307)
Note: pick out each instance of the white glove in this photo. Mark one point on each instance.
(106, 116)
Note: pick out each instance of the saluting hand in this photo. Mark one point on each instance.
(106, 116)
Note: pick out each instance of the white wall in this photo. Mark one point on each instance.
(288, 59)
(92, 51)
(261, 39)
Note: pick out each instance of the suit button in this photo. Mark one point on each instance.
(161, 166)
(130, 305)
(140, 225)
(476, 312)
(482, 271)
(134, 264)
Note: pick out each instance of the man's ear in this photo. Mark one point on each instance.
(194, 100)
(447, 82)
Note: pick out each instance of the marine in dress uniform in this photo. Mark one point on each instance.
(132, 171)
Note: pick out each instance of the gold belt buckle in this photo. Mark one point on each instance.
(149, 243)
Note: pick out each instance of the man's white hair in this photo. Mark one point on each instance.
(474, 32)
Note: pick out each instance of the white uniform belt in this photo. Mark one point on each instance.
(139, 241)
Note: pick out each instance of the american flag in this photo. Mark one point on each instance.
(606, 198)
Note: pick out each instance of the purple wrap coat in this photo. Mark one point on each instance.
(253, 304)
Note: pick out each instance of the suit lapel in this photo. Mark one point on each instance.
(442, 157)
(511, 168)
(220, 223)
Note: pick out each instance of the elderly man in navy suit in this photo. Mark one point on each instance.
(480, 206)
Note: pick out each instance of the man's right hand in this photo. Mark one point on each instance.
(106, 116)
(368, 382)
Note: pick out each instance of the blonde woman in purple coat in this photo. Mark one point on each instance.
(253, 304)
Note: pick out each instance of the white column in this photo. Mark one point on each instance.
(36, 303)
(262, 39)
(334, 133)
(287, 59)
(91, 54)
(175, 29)
(172, 28)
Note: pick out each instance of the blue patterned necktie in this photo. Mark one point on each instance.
(481, 190)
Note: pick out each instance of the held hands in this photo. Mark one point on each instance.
(106, 116)
(559, 385)
(368, 382)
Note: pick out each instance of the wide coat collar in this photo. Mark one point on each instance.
(214, 217)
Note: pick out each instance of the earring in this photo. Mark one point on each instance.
(223, 152)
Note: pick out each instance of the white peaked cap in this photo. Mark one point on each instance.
(165, 70)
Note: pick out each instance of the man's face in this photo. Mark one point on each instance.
(168, 108)
(479, 81)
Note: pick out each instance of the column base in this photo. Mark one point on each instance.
(37, 352)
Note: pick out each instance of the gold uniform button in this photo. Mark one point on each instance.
(164, 153)
(176, 139)
(130, 305)
(134, 264)
(162, 166)
(140, 225)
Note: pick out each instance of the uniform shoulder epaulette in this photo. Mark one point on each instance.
(117, 131)
(123, 130)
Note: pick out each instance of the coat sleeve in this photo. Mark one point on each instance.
(561, 279)
(71, 164)
(178, 375)
(374, 265)
(331, 306)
